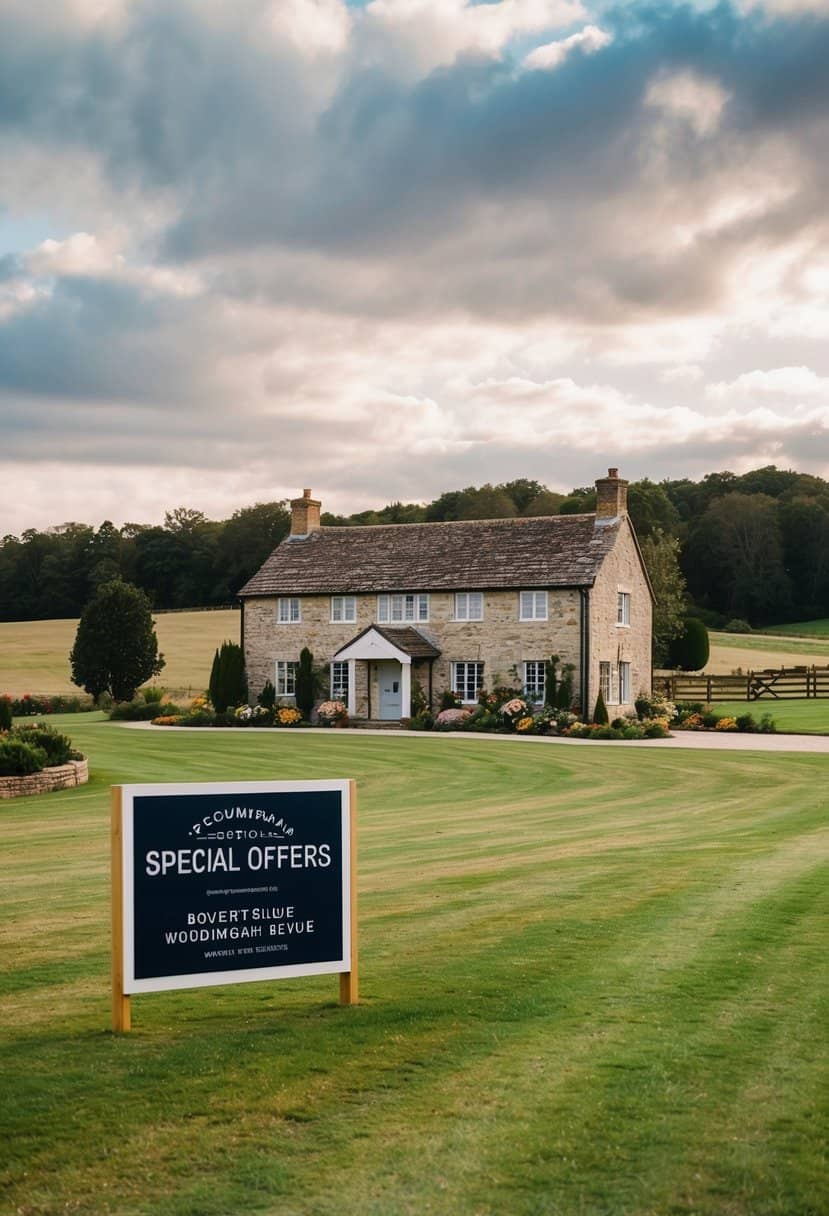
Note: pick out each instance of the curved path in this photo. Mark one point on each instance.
(723, 741)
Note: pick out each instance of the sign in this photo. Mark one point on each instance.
(229, 883)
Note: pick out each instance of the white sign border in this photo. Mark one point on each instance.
(248, 975)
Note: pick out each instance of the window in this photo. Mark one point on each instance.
(287, 610)
(339, 682)
(534, 679)
(624, 683)
(533, 606)
(285, 678)
(467, 680)
(604, 682)
(623, 608)
(394, 608)
(343, 608)
(469, 606)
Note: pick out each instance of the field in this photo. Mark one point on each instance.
(803, 629)
(756, 651)
(34, 655)
(594, 981)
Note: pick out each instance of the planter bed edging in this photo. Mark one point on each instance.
(61, 777)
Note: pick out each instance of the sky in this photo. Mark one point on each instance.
(391, 248)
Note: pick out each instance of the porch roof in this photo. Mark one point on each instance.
(406, 641)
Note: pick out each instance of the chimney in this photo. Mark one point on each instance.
(305, 514)
(611, 495)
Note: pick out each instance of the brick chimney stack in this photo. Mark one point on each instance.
(305, 514)
(611, 495)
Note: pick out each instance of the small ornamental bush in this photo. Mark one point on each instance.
(56, 747)
(286, 715)
(19, 759)
(267, 696)
(423, 721)
(196, 717)
(767, 725)
(168, 720)
(451, 719)
(656, 729)
(746, 722)
(332, 711)
(153, 694)
(29, 706)
(141, 711)
(5, 713)
(449, 700)
(726, 724)
(524, 724)
(600, 714)
(514, 710)
(738, 626)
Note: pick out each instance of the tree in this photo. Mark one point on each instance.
(661, 556)
(116, 648)
(228, 681)
(305, 682)
(689, 651)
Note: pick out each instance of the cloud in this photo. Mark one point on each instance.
(552, 54)
(301, 234)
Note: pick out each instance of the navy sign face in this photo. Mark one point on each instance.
(224, 883)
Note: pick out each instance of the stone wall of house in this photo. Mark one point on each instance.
(61, 777)
(614, 643)
(501, 641)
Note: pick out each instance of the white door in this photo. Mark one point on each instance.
(391, 696)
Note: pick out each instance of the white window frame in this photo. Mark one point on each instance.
(625, 684)
(288, 610)
(339, 681)
(403, 608)
(461, 673)
(343, 609)
(469, 606)
(532, 605)
(606, 681)
(623, 609)
(534, 688)
(286, 677)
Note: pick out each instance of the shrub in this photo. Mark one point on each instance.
(29, 706)
(689, 651)
(167, 720)
(422, 721)
(642, 705)
(267, 697)
(305, 682)
(153, 694)
(726, 724)
(710, 719)
(228, 682)
(767, 725)
(419, 703)
(286, 715)
(451, 719)
(57, 747)
(196, 717)
(600, 714)
(655, 730)
(139, 711)
(746, 722)
(5, 713)
(19, 758)
(550, 681)
(564, 696)
(738, 626)
(449, 700)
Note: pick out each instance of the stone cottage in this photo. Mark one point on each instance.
(463, 605)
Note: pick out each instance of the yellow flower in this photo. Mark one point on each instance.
(524, 724)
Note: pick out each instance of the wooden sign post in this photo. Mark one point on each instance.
(230, 883)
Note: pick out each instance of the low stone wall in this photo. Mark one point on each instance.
(62, 777)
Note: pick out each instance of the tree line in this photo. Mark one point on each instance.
(751, 547)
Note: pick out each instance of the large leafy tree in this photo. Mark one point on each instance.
(116, 648)
(661, 556)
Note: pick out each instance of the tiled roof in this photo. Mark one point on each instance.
(548, 551)
(411, 641)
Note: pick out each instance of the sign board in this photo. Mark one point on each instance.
(232, 882)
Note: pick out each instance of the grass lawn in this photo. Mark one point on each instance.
(34, 655)
(594, 980)
(791, 717)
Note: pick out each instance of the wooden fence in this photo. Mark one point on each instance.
(784, 683)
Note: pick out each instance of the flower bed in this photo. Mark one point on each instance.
(37, 758)
(61, 777)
